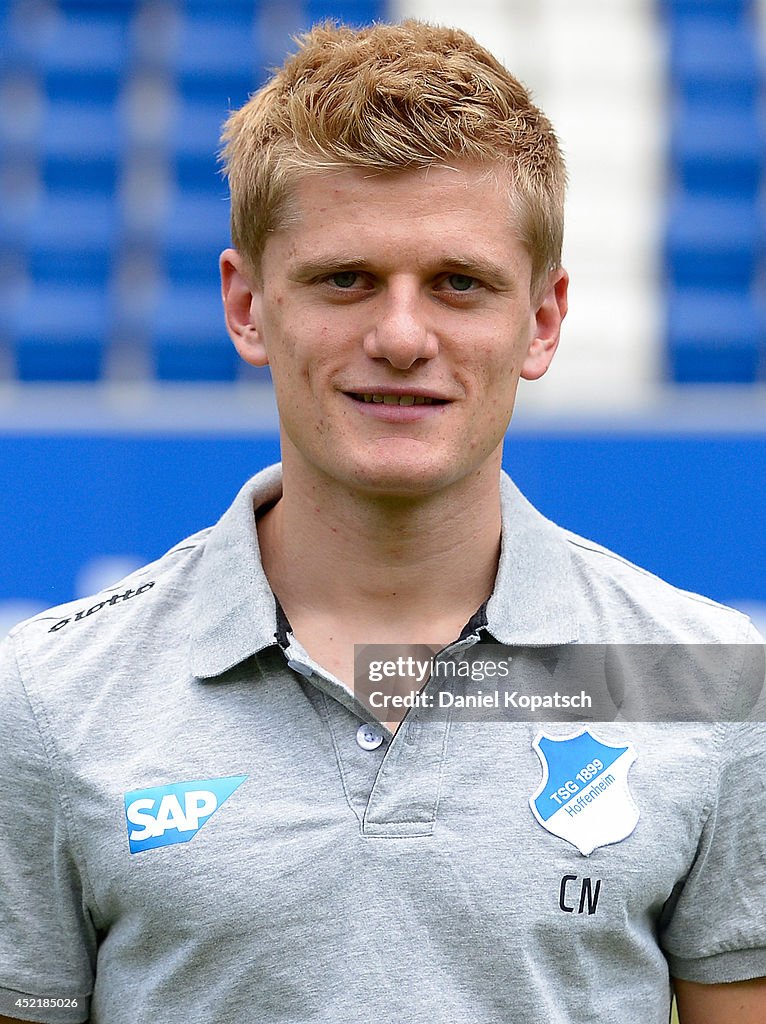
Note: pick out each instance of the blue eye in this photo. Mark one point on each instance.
(461, 282)
(345, 279)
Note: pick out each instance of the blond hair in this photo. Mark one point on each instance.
(391, 97)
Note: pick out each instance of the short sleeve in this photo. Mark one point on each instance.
(714, 929)
(47, 941)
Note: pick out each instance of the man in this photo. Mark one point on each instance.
(202, 820)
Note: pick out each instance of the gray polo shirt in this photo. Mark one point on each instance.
(193, 825)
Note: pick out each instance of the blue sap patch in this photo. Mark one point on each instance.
(163, 815)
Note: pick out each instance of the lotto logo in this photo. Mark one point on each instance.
(164, 815)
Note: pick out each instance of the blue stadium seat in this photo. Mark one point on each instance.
(81, 147)
(60, 334)
(77, 50)
(195, 138)
(195, 232)
(188, 339)
(242, 9)
(218, 59)
(713, 245)
(718, 150)
(71, 241)
(353, 12)
(84, 59)
(712, 242)
(715, 337)
(731, 10)
(27, 30)
(95, 257)
(715, 62)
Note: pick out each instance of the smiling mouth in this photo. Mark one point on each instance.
(396, 399)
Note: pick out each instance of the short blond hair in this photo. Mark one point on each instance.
(391, 97)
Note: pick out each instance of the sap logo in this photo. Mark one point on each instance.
(171, 814)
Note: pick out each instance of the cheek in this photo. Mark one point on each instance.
(495, 366)
(494, 377)
(301, 360)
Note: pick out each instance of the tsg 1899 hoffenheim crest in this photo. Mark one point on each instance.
(584, 796)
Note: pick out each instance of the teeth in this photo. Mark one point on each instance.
(397, 399)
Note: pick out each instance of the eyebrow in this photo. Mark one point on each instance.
(473, 266)
(315, 266)
(477, 266)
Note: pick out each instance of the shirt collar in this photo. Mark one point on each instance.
(533, 601)
(235, 613)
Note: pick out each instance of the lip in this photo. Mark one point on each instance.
(399, 392)
(396, 413)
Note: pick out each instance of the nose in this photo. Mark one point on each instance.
(401, 333)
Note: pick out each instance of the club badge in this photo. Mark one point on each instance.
(584, 797)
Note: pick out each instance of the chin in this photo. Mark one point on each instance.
(402, 481)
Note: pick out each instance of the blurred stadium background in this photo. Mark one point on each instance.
(126, 421)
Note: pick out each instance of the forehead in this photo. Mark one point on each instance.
(397, 212)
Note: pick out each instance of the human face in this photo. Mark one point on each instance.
(395, 313)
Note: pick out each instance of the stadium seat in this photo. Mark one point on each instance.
(60, 334)
(718, 150)
(242, 9)
(195, 138)
(188, 340)
(84, 58)
(353, 12)
(217, 59)
(715, 337)
(714, 238)
(80, 147)
(27, 30)
(725, 9)
(196, 229)
(72, 241)
(110, 110)
(712, 243)
(714, 62)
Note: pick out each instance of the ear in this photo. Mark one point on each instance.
(242, 303)
(550, 312)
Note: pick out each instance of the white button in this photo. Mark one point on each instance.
(369, 737)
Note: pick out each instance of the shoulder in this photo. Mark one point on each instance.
(125, 615)
(622, 602)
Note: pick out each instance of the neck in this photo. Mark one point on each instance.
(330, 551)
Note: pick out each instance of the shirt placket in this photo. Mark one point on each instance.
(392, 783)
